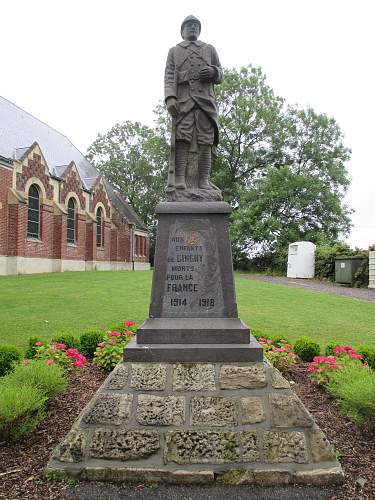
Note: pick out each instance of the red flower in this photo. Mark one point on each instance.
(129, 333)
(112, 341)
(101, 344)
(80, 361)
(72, 353)
(129, 322)
(59, 346)
(49, 361)
(38, 344)
(114, 334)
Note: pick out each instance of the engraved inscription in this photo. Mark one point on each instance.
(193, 285)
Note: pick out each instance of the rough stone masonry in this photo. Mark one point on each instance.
(197, 423)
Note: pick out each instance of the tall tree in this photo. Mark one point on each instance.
(252, 131)
(282, 168)
(133, 158)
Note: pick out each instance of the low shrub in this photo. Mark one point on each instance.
(257, 334)
(361, 277)
(306, 349)
(354, 387)
(89, 342)
(323, 368)
(68, 340)
(9, 355)
(109, 355)
(55, 353)
(48, 379)
(109, 352)
(281, 357)
(21, 410)
(280, 340)
(32, 346)
(368, 354)
(330, 346)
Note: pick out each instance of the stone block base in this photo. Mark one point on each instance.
(237, 423)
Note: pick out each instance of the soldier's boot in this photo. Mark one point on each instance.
(181, 159)
(204, 166)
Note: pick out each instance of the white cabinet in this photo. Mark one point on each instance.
(301, 260)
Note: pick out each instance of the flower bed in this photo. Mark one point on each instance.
(27, 386)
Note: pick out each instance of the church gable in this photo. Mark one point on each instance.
(71, 183)
(32, 164)
(100, 195)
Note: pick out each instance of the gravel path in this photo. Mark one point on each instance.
(315, 286)
(89, 491)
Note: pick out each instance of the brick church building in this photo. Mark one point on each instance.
(57, 212)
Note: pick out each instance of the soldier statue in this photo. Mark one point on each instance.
(192, 69)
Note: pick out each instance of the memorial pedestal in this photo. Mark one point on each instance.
(193, 311)
(194, 401)
(236, 423)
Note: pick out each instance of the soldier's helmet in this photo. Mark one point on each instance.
(190, 18)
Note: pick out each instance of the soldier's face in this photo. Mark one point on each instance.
(190, 31)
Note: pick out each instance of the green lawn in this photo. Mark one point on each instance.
(47, 304)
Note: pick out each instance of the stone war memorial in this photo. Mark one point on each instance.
(194, 400)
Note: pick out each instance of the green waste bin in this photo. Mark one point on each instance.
(346, 267)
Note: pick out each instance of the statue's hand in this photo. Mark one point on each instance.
(172, 106)
(207, 74)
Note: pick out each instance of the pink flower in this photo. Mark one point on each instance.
(129, 322)
(262, 340)
(269, 341)
(129, 333)
(112, 341)
(354, 355)
(72, 353)
(60, 346)
(114, 334)
(49, 361)
(291, 354)
(38, 344)
(282, 341)
(80, 361)
(101, 344)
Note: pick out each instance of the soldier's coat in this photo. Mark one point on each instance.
(181, 81)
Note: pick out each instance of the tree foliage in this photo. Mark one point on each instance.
(134, 159)
(282, 168)
(251, 130)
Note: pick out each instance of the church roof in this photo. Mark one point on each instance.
(19, 130)
(123, 206)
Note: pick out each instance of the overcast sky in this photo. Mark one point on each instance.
(83, 65)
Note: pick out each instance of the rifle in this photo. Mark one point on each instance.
(172, 159)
